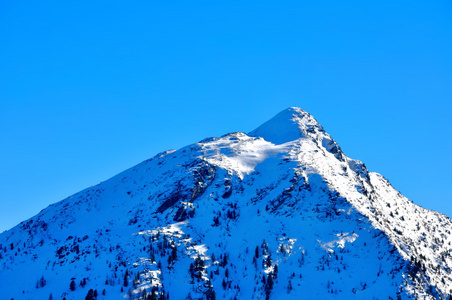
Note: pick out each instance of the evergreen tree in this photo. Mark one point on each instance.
(153, 295)
(42, 282)
(282, 249)
(143, 294)
(269, 261)
(256, 252)
(270, 283)
(162, 296)
(224, 262)
(126, 278)
(269, 286)
(72, 285)
(191, 270)
(210, 294)
(289, 286)
(198, 267)
(90, 295)
(224, 284)
(174, 253)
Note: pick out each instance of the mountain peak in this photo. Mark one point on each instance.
(235, 217)
(289, 125)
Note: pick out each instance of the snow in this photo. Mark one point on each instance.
(340, 241)
(227, 214)
(289, 125)
(240, 153)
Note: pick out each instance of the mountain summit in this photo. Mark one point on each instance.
(290, 124)
(279, 213)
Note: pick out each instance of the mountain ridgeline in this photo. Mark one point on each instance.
(278, 213)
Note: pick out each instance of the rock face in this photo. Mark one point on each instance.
(279, 213)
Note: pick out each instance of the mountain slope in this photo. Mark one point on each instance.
(278, 213)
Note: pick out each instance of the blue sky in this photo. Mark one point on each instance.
(90, 88)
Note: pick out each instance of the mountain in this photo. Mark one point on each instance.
(278, 213)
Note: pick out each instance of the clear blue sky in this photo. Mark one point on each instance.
(90, 88)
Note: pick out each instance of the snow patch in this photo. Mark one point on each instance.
(340, 241)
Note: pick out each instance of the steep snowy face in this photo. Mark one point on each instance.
(295, 124)
(289, 125)
(280, 213)
(421, 236)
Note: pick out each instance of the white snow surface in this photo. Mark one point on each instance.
(279, 213)
(240, 153)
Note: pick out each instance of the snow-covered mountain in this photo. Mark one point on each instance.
(278, 213)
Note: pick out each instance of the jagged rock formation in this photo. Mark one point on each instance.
(279, 213)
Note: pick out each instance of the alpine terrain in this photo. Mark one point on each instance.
(278, 213)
